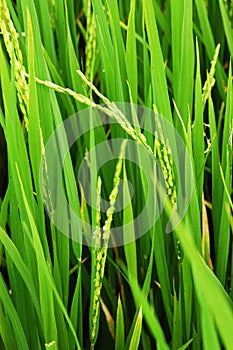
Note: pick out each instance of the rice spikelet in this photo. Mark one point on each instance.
(11, 37)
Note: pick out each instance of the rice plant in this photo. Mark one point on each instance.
(116, 201)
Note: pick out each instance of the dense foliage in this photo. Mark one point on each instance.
(163, 290)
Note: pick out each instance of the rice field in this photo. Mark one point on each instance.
(116, 200)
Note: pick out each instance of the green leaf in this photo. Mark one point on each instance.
(134, 342)
(10, 311)
(120, 330)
